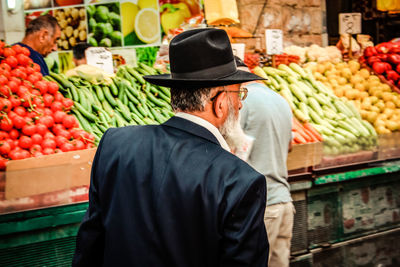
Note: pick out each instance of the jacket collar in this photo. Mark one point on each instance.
(192, 128)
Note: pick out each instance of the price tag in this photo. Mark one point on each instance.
(273, 40)
(100, 57)
(238, 50)
(349, 23)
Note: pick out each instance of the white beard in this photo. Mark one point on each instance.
(232, 131)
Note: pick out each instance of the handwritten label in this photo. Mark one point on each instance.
(238, 50)
(274, 40)
(349, 23)
(100, 57)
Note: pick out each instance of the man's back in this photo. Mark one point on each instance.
(267, 117)
(169, 197)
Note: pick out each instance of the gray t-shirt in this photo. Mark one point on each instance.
(267, 117)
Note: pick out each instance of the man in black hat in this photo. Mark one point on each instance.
(173, 194)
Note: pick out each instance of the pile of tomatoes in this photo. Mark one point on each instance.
(34, 115)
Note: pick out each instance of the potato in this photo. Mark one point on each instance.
(72, 41)
(76, 33)
(69, 20)
(63, 37)
(68, 31)
(65, 44)
(63, 24)
(74, 13)
(82, 25)
(67, 11)
(82, 13)
(82, 35)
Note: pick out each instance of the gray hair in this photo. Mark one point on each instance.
(46, 21)
(189, 100)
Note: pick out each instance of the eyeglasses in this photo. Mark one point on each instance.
(242, 93)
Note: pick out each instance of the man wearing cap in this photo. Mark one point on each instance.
(173, 194)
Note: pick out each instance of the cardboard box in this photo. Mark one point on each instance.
(305, 155)
(45, 174)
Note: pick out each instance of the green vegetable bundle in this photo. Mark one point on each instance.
(126, 99)
(342, 128)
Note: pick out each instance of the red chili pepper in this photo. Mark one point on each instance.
(394, 59)
(370, 51)
(392, 75)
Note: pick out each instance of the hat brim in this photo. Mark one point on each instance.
(167, 81)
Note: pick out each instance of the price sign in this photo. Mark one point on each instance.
(273, 40)
(100, 57)
(238, 50)
(349, 23)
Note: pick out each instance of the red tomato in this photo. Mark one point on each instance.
(21, 111)
(5, 105)
(59, 115)
(33, 78)
(67, 147)
(13, 85)
(25, 142)
(56, 106)
(67, 103)
(49, 135)
(15, 154)
(15, 101)
(64, 133)
(48, 151)
(36, 67)
(3, 163)
(27, 83)
(60, 140)
(3, 135)
(17, 48)
(3, 79)
(49, 143)
(13, 143)
(38, 101)
(18, 122)
(69, 121)
(47, 120)
(52, 87)
(19, 73)
(25, 154)
(5, 90)
(25, 51)
(35, 147)
(22, 90)
(12, 61)
(48, 99)
(57, 127)
(37, 138)
(78, 144)
(37, 154)
(23, 60)
(41, 129)
(5, 66)
(14, 134)
(47, 111)
(29, 129)
(42, 86)
(7, 52)
(12, 114)
(5, 147)
(6, 124)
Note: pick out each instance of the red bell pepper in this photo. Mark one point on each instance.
(383, 57)
(370, 51)
(373, 59)
(384, 48)
(379, 67)
(391, 75)
(394, 59)
(398, 69)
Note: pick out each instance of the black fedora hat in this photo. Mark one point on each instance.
(201, 58)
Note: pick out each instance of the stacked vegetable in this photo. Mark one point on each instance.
(72, 22)
(372, 97)
(126, 99)
(335, 118)
(34, 116)
(384, 60)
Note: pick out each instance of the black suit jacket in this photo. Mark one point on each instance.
(170, 195)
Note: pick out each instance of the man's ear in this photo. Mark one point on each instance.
(43, 34)
(219, 104)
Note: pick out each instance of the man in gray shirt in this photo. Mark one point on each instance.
(267, 117)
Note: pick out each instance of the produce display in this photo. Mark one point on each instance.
(315, 53)
(104, 25)
(340, 124)
(384, 59)
(72, 22)
(101, 102)
(374, 99)
(35, 117)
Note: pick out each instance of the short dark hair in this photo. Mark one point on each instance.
(79, 50)
(239, 62)
(189, 100)
(46, 21)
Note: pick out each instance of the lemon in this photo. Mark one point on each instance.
(128, 13)
(147, 4)
(147, 26)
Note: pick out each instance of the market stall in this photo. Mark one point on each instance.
(343, 170)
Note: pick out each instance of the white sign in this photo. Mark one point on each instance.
(274, 40)
(100, 57)
(349, 23)
(238, 50)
